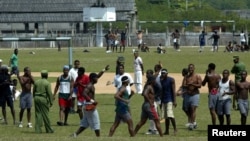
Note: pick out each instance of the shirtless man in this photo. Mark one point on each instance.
(243, 89)
(148, 109)
(212, 80)
(91, 116)
(192, 82)
(26, 81)
(139, 35)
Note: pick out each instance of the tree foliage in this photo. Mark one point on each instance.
(190, 10)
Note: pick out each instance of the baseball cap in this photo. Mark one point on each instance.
(164, 71)
(65, 67)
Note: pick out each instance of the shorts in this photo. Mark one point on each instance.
(148, 112)
(224, 107)
(139, 41)
(243, 106)
(8, 100)
(122, 117)
(64, 103)
(168, 110)
(212, 100)
(90, 119)
(25, 100)
(192, 100)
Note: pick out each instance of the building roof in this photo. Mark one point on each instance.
(18, 11)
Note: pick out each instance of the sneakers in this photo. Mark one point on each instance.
(187, 124)
(191, 126)
(20, 125)
(149, 132)
(74, 135)
(152, 132)
(29, 125)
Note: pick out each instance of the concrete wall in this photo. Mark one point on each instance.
(151, 39)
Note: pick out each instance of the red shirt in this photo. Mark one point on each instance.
(83, 80)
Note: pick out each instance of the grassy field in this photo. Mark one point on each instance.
(94, 61)
(96, 58)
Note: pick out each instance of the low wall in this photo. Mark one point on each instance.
(151, 39)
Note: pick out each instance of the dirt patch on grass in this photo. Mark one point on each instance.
(102, 88)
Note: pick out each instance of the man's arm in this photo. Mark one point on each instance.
(56, 87)
(119, 94)
(173, 92)
(102, 71)
(203, 83)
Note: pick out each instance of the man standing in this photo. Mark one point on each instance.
(123, 41)
(138, 72)
(43, 101)
(26, 81)
(168, 100)
(13, 63)
(215, 38)
(212, 80)
(73, 73)
(176, 39)
(202, 40)
(192, 82)
(243, 89)
(6, 94)
(237, 68)
(139, 35)
(91, 115)
(64, 84)
(226, 88)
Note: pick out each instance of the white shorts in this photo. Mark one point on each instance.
(139, 41)
(168, 110)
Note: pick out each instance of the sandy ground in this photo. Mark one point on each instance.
(102, 88)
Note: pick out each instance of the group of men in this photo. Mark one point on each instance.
(220, 91)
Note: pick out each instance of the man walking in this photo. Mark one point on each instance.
(192, 82)
(64, 84)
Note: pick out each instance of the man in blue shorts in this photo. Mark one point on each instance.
(26, 81)
(212, 80)
(243, 88)
(226, 88)
(192, 82)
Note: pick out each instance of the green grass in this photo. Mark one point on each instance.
(94, 61)
(106, 112)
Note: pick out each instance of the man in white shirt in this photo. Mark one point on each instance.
(73, 73)
(138, 72)
(118, 82)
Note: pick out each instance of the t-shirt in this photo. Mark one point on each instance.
(84, 80)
